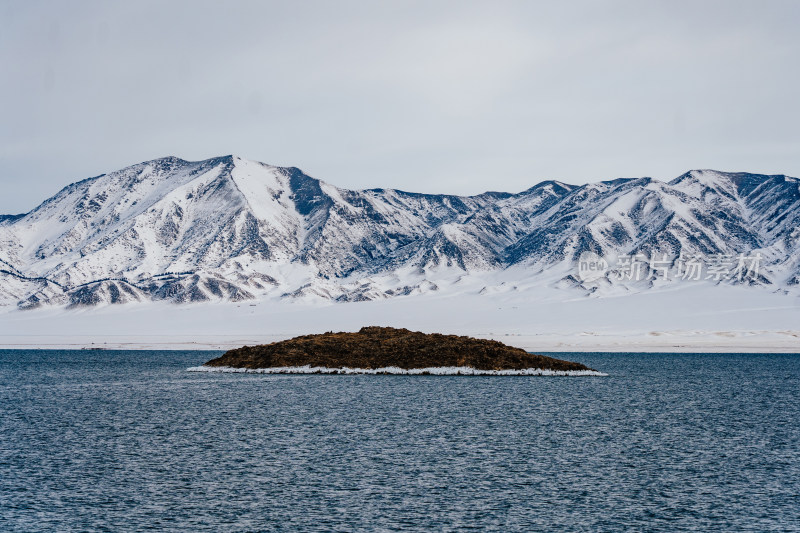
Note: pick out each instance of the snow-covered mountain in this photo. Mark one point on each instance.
(231, 229)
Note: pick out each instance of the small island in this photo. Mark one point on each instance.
(383, 350)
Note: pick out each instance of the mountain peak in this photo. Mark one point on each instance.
(728, 182)
(550, 185)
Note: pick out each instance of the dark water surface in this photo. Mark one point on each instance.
(128, 441)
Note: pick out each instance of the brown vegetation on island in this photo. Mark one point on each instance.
(378, 347)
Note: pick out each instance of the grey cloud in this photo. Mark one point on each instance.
(430, 96)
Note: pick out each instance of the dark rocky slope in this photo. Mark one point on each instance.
(378, 347)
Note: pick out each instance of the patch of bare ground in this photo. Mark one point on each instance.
(380, 347)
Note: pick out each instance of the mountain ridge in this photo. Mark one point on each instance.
(227, 228)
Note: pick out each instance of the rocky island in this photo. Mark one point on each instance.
(383, 350)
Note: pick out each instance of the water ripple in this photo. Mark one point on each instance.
(125, 441)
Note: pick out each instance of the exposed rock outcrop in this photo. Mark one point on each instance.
(381, 347)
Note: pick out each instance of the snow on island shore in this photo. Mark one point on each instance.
(380, 350)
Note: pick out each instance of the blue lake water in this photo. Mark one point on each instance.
(128, 440)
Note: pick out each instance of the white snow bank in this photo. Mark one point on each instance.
(689, 319)
(393, 370)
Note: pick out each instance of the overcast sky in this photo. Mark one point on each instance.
(457, 97)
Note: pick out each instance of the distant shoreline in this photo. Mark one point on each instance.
(717, 342)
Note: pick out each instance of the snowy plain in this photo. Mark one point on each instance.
(689, 317)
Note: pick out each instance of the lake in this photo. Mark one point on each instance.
(129, 440)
